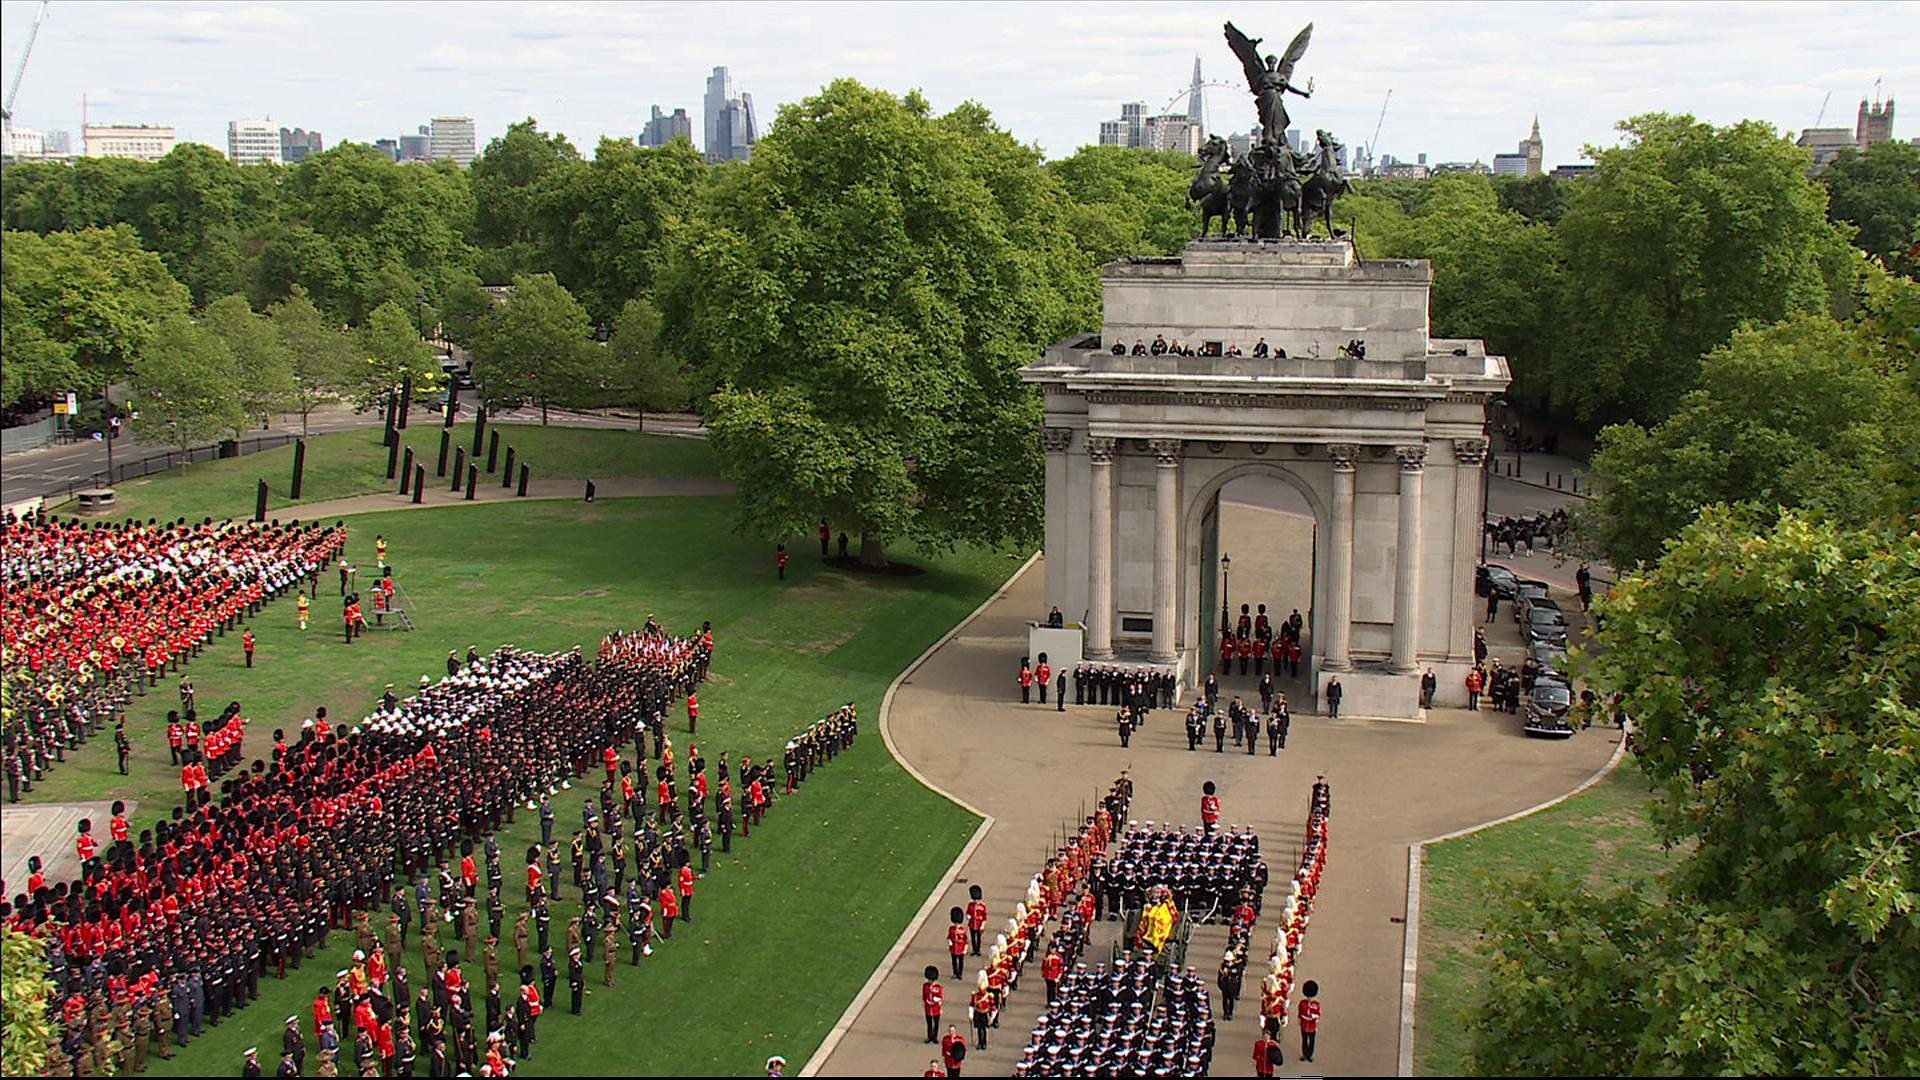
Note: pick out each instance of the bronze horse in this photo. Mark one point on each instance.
(1327, 183)
(1213, 193)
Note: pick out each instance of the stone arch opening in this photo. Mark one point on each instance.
(1270, 521)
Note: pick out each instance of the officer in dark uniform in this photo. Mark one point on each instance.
(1219, 732)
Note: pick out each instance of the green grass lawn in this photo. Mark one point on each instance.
(1601, 835)
(346, 463)
(795, 920)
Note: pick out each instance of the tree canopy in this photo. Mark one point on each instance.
(537, 347)
(1878, 194)
(1772, 670)
(1807, 413)
(1677, 238)
(80, 309)
(860, 297)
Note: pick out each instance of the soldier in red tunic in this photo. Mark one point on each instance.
(932, 996)
(976, 918)
(957, 940)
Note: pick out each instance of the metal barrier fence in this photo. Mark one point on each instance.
(169, 459)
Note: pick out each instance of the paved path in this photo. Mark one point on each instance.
(1035, 771)
(628, 487)
(48, 831)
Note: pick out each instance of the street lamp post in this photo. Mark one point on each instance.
(420, 312)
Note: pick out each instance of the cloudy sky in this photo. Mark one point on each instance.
(1466, 79)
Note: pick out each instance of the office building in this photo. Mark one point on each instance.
(251, 142)
(662, 129)
(25, 144)
(298, 144)
(1174, 131)
(418, 147)
(389, 147)
(728, 123)
(1196, 99)
(1478, 168)
(452, 138)
(1572, 172)
(140, 142)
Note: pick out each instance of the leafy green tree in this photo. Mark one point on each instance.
(395, 230)
(319, 354)
(463, 308)
(640, 367)
(1126, 201)
(45, 197)
(263, 372)
(1772, 669)
(26, 1003)
(190, 208)
(1878, 193)
(862, 295)
(391, 350)
(1496, 275)
(537, 346)
(1804, 413)
(81, 307)
(604, 223)
(504, 179)
(186, 385)
(1540, 199)
(1678, 237)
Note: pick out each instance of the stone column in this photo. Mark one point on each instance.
(1339, 622)
(1406, 569)
(1100, 551)
(1166, 546)
(1469, 517)
(1058, 530)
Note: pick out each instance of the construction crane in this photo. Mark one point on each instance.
(1823, 109)
(13, 90)
(1373, 145)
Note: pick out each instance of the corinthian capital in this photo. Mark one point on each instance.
(1055, 439)
(1166, 451)
(1099, 449)
(1470, 452)
(1412, 458)
(1342, 455)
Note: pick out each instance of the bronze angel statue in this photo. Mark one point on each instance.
(1271, 80)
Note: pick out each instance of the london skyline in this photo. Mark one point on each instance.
(1466, 81)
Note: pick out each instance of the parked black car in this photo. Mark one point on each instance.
(1545, 626)
(1498, 580)
(1547, 710)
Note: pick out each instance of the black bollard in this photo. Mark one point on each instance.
(473, 478)
(589, 491)
(506, 474)
(393, 453)
(406, 400)
(386, 415)
(523, 480)
(446, 440)
(406, 472)
(479, 428)
(453, 402)
(493, 449)
(419, 482)
(300, 467)
(459, 466)
(260, 502)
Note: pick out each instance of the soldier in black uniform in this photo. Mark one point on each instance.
(549, 974)
(1219, 732)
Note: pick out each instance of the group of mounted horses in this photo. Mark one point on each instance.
(1264, 191)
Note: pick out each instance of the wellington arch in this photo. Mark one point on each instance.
(1376, 426)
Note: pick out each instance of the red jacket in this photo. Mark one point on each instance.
(932, 994)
